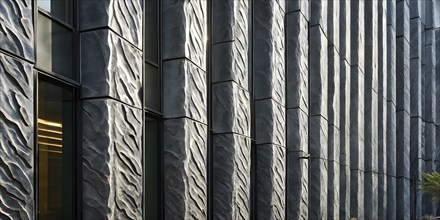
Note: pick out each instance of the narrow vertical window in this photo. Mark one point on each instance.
(55, 151)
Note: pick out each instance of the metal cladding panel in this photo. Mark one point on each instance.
(123, 17)
(16, 139)
(110, 67)
(16, 28)
(112, 160)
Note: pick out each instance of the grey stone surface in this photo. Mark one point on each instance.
(16, 138)
(318, 72)
(318, 191)
(391, 14)
(344, 26)
(110, 67)
(333, 86)
(270, 127)
(319, 14)
(391, 64)
(371, 201)
(334, 144)
(230, 109)
(357, 194)
(318, 139)
(184, 29)
(111, 160)
(416, 87)
(271, 180)
(185, 158)
(416, 39)
(402, 19)
(382, 196)
(344, 192)
(333, 190)
(417, 9)
(391, 197)
(345, 113)
(297, 42)
(402, 74)
(297, 130)
(231, 176)
(430, 77)
(297, 187)
(184, 90)
(357, 31)
(125, 18)
(16, 28)
(333, 19)
(299, 5)
(357, 119)
(230, 21)
(403, 198)
(391, 139)
(269, 71)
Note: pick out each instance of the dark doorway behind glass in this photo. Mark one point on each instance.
(55, 151)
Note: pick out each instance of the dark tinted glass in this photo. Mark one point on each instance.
(57, 8)
(151, 43)
(55, 151)
(151, 168)
(54, 47)
(152, 87)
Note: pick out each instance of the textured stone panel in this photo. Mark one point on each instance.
(437, 78)
(184, 90)
(357, 38)
(344, 27)
(185, 180)
(402, 19)
(270, 125)
(391, 64)
(430, 77)
(371, 195)
(333, 190)
(110, 66)
(416, 40)
(319, 14)
(371, 130)
(357, 194)
(417, 8)
(333, 143)
(184, 30)
(299, 5)
(430, 145)
(402, 74)
(345, 113)
(230, 109)
(333, 23)
(371, 45)
(357, 119)
(16, 138)
(318, 188)
(417, 149)
(391, 139)
(333, 86)
(269, 74)
(231, 176)
(416, 87)
(297, 84)
(112, 160)
(230, 21)
(271, 180)
(403, 198)
(382, 196)
(297, 130)
(318, 137)
(403, 144)
(391, 14)
(230, 61)
(297, 185)
(16, 28)
(391, 197)
(318, 72)
(123, 17)
(344, 192)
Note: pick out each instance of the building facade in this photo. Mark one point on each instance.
(206, 109)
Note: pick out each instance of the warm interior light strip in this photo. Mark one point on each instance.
(48, 137)
(52, 151)
(52, 131)
(49, 123)
(49, 144)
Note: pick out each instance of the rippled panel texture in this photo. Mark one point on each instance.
(16, 30)
(124, 17)
(16, 139)
(110, 66)
(112, 160)
(185, 156)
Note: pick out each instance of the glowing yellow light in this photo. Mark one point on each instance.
(51, 131)
(49, 123)
(48, 137)
(49, 144)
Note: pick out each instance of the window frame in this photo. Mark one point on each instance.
(64, 82)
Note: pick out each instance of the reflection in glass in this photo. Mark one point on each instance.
(54, 47)
(152, 87)
(151, 168)
(55, 152)
(56, 8)
(151, 31)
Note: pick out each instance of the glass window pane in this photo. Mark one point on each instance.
(54, 47)
(57, 8)
(55, 151)
(151, 168)
(151, 32)
(152, 87)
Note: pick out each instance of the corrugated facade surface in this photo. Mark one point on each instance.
(271, 109)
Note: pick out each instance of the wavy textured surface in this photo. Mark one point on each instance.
(270, 124)
(16, 28)
(270, 185)
(231, 177)
(185, 155)
(16, 139)
(185, 30)
(124, 17)
(112, 160)
(110, 66)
